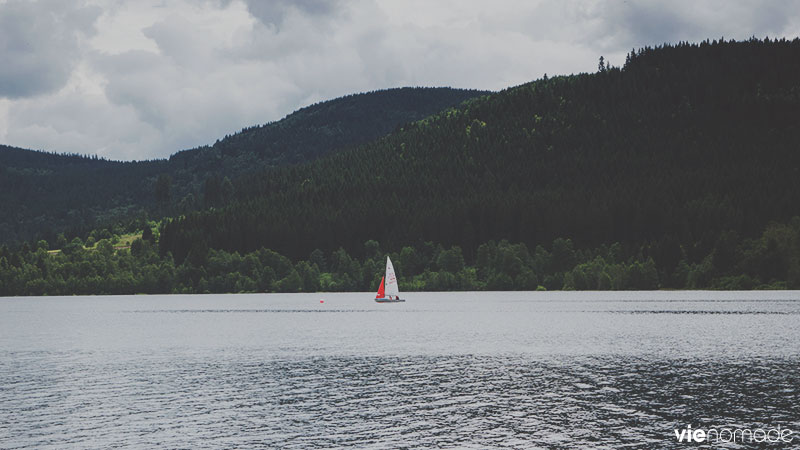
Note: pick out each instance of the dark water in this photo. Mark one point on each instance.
(454, 370)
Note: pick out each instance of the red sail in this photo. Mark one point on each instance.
(381, 293)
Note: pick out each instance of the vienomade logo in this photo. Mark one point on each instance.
(723, 435)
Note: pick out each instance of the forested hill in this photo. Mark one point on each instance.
(44, 194)
(667, 154)
(319, 129)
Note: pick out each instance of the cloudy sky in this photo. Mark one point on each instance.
(143, 79)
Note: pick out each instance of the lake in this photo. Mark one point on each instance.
(443, 370)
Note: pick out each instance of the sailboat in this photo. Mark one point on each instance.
(388, 291)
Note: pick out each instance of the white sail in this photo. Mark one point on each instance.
(391, 280)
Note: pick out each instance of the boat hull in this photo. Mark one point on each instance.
(390, 300)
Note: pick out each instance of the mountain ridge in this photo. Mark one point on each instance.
(48, 193)
(677, 171)
(639, 154)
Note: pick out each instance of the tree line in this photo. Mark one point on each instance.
(90, 267)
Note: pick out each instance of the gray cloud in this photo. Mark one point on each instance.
(135, 81)
(274, 12)
(636, 24)
(40, 44)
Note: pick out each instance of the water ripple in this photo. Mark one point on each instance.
(385, 402)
